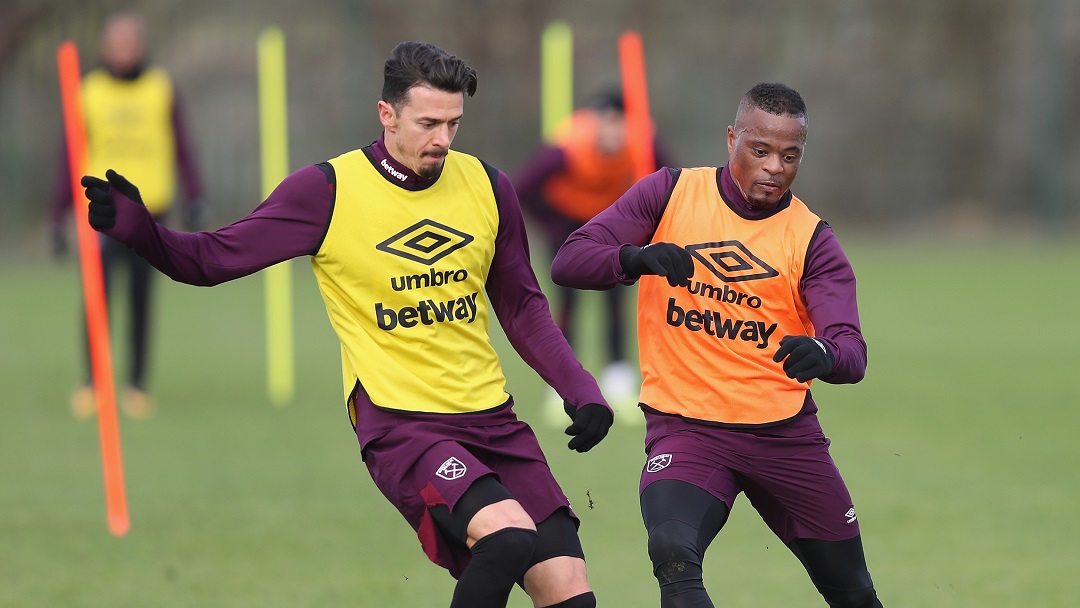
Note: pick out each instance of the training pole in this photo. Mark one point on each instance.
(273, 128)
(97, 318)
(556, 76)
(639, 129)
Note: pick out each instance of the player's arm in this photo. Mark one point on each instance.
(289, 223)
(828, 288)
(523, 313)
(193, 211)
(529, 183)
(593, 256)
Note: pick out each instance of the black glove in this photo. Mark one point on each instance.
(664, 259)
(102, 210)
(806, 358)
(591, 424)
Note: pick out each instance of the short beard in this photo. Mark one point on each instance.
(430, 171)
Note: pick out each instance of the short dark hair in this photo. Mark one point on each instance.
(608, 99)
(413, 63)
(775, 98)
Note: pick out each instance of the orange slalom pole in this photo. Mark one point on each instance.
(639, 129)
(97, 318)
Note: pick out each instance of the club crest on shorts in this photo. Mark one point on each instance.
(451, 469)
(658, 463)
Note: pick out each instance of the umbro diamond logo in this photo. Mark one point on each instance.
(731, 261)
(426, 242)
(850, 515)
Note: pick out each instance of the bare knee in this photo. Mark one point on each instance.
(498, 516)
(557, 580)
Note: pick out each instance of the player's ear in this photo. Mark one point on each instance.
(388, 116)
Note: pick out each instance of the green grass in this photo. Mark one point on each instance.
(959, 448)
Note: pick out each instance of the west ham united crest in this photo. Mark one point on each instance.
(658, 463)
(451, 469)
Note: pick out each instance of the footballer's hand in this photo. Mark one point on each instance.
(663, 259)
(590, 425)
(804, 358)
(102, 208)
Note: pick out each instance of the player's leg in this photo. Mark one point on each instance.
(800, 494)
(682, 520)
(619, 380)
(838, 569)
(139, 291)
(557, 576)
(616, 334)
(136, 403)
(500, 536)
(557, 230)
(83, 401)
(111, 249)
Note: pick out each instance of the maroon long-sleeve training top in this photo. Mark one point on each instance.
(292, 222)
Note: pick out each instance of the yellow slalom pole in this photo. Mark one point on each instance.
(273, 128)
(556, 76)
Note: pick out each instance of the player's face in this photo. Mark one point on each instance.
(419, 133)
(610, 131)
(122, 46)
(765, 152)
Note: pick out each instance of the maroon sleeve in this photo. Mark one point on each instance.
(662, 155)
(589, 259)
(522, 308)
(291, 222)
(828, 289)
(185, 156)
(546, 161)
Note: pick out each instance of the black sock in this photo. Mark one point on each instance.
(498, 561)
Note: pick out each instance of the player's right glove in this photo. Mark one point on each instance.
(102, 209)
(663, 259)
(590, 426)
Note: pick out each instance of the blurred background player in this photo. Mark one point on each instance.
(135, 124)
(586, 166)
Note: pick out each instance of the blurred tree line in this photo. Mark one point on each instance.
(923, 113)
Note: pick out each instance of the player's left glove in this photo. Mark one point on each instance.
(102, 209)
(590, 426)
(804, 358)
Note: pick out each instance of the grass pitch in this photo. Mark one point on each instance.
(958, 447)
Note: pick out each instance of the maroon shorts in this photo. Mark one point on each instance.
(785, 471)
(425, 463)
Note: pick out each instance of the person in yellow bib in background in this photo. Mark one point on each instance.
(567, 181)
(135, 124)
